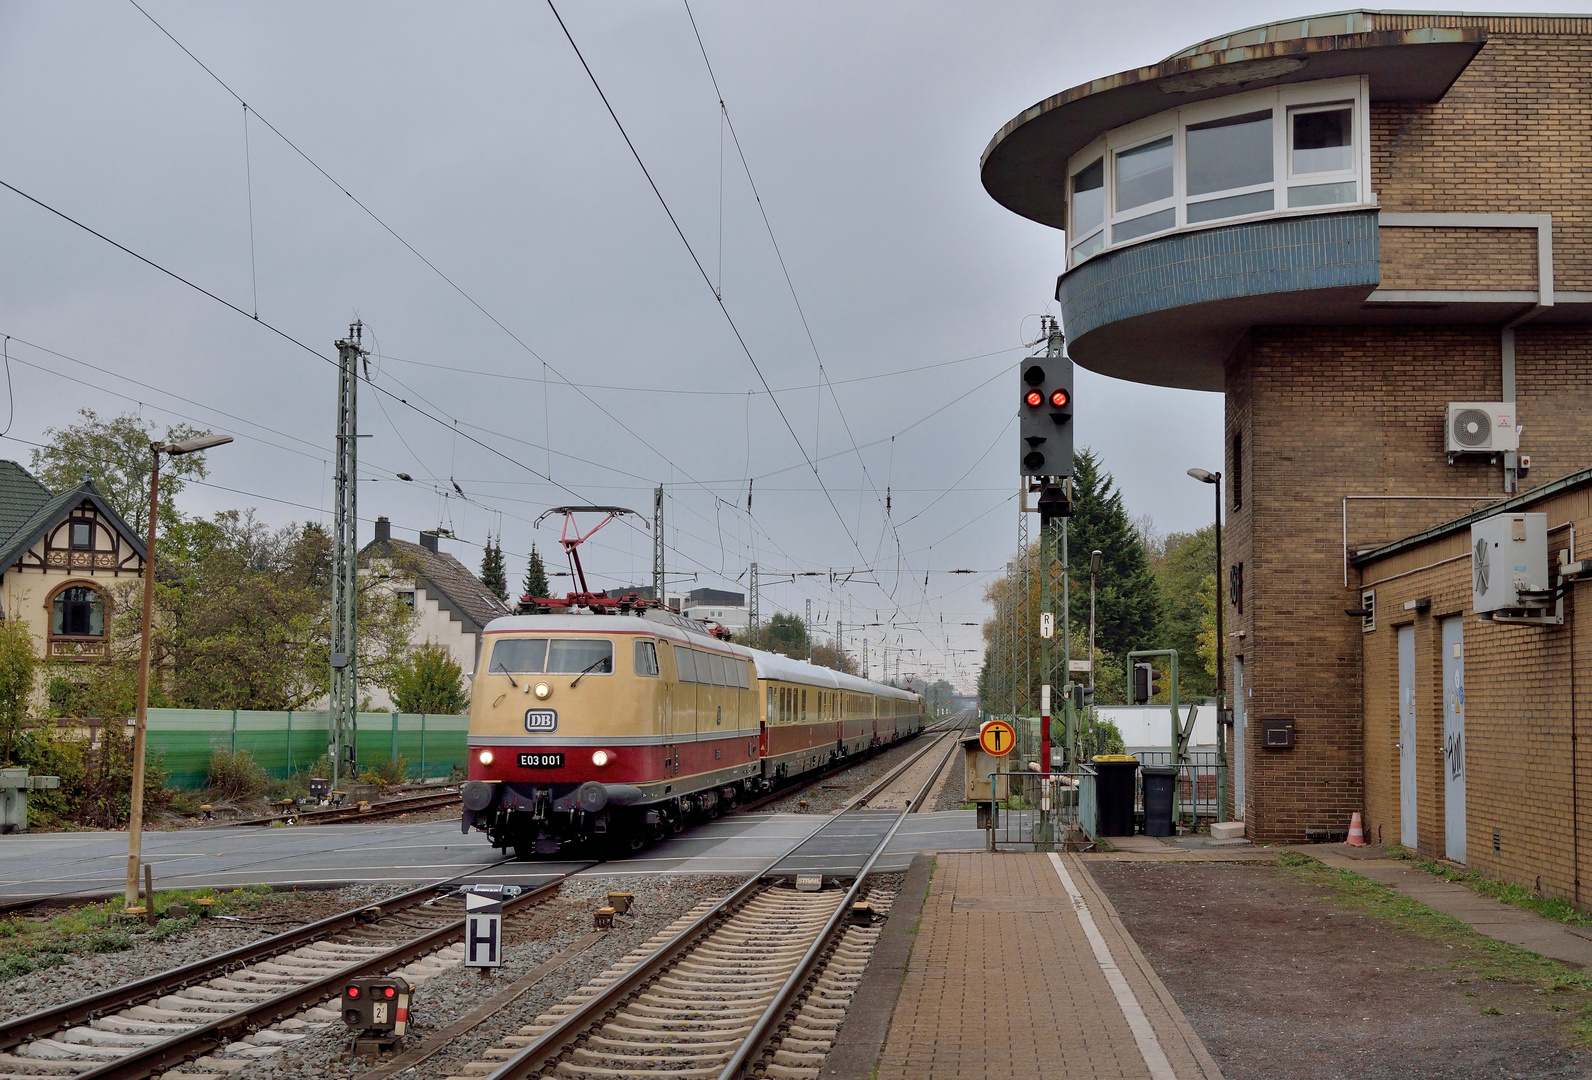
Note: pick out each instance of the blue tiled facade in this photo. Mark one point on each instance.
(1254, 259)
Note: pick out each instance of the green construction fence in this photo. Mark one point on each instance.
(283, 743)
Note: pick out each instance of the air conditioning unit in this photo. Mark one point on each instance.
(1481, 427)
(1509, 563)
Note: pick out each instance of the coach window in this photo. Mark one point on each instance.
(646, 658)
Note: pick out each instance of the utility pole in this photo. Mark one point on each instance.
(657, 544)
(752, 616)
(345, 554)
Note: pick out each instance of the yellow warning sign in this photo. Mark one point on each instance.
(997, 738)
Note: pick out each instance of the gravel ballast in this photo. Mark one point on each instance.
(530, 940)
(830, 794)
(91, 973)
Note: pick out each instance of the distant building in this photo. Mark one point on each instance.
(451, 605)
(61, 555)
(723, 606)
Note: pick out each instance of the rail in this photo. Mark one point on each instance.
(570, 1031)
(204, 1037)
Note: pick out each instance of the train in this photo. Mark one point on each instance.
(609, 729)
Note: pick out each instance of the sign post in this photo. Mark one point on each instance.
(483, 929)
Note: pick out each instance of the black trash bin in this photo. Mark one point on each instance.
(1114, 783)
(1160, 785)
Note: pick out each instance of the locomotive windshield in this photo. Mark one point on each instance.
(555, 656)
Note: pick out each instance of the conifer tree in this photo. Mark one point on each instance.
(493, 574)
(1127, 599)
(535, 583)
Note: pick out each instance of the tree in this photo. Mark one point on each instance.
(115, 455)
(243, 618)
(493, 574)
(535, 583)
(18, 666)
(1127, 601)
(1186, 577)
(427, 681)
(937, 696)
(785, 634)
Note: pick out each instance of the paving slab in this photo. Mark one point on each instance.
(1021, 968)
(1489, 917)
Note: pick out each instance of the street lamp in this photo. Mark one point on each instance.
(1215, 480)
(135, 817)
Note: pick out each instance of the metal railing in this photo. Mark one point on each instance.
(1036, 811)
(1200, 794)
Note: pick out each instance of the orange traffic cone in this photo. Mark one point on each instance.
(1356, 831)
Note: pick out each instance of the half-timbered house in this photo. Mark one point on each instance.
(62, 557)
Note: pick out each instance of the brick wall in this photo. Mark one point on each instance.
(1508, 137)
(1330, 412)
(1524, 779)
(1481, 259)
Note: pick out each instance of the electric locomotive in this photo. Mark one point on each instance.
(612, 721)
(613, 730)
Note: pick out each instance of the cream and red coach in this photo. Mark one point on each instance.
(620, 728)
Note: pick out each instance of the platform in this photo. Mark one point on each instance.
(1019, 967)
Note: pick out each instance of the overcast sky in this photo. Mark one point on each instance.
(474, 134)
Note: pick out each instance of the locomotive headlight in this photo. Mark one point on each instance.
(484, 757)
(543, 691)
(601, 758)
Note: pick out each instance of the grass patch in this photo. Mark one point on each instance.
(1549, 907)
(1474, 954)
(29, 945)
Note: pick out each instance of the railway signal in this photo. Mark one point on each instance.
(1146, 683)
(378, 1010)
(1045, 417)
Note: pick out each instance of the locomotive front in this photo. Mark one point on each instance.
(564, 719)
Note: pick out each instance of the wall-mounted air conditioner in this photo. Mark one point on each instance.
(1481, 427)
(1508, 558)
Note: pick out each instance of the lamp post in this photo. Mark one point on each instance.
(135, 816)
(1215, 480)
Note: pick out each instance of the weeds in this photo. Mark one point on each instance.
(1477, 955)
(28, 945)
(1549, 907)
(387, 773)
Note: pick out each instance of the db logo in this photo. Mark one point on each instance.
(541, 719)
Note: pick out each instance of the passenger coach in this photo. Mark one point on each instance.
(622, 728)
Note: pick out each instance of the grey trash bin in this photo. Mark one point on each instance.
(1160, 785)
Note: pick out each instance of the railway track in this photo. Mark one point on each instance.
(220, 1012)
(754, 984)
(832, 771)
(407, 804)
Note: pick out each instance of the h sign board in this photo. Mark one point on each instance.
(483, 931)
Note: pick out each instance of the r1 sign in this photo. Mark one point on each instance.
(1047, 624)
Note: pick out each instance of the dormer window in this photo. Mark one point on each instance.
(82, 534)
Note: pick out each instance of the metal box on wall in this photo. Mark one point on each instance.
(1509, 557)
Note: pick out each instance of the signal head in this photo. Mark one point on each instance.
(1034, 399)
(1034, 375)
(1060, 398)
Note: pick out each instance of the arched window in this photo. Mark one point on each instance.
(78, 612)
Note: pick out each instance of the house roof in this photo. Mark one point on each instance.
(458, 591)
(18, 533)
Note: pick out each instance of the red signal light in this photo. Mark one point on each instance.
(352, 991)
(1059, 398)
(1034, 399)
(388, 991)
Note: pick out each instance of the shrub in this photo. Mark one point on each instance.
(236, 776)
(1108, 738)
(427, 681)
(387, 773)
